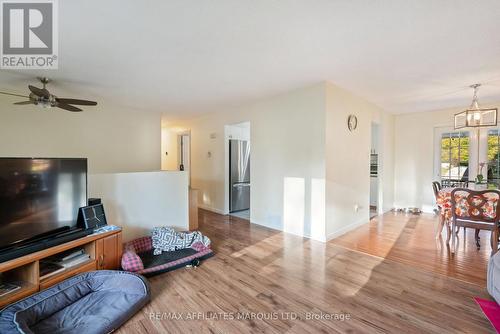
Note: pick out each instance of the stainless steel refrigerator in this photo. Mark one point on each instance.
(239, 175)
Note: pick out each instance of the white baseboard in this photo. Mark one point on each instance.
(209, 208)
(346, 229)
(253, 221)
(327, 238)
(281, 230)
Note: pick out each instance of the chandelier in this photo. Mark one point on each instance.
(476, 116)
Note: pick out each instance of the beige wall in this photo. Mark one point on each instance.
(348, 160)
(169, 145)
(287, 137)
(414, 155)
(114, 140)
(140, 201)
(308, 170)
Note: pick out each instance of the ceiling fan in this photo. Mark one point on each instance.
(42, 97)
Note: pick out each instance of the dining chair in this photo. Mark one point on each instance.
(445, 183)
(436, 187)
(478, 210)
(460, 184)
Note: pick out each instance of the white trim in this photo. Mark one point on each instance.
(188, 158)
(485, 151)
(346, 229)
(280, 230)
(438, 133)
(428, 209)
(209, 208)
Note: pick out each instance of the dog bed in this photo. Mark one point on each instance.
(97, 302)
(138, 257)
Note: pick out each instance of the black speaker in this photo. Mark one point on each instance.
(92, 217)
(94, 201)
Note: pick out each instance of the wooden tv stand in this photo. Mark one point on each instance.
(105, 250)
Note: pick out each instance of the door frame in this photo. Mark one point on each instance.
(473, 144)
(379, 152)
(186, 133)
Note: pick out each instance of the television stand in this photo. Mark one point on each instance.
(105, 250)
(43, 244)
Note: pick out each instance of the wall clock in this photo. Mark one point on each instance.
(352, 122)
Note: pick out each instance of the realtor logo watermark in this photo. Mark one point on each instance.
(29, 37)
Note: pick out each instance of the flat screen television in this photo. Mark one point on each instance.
(39, 197)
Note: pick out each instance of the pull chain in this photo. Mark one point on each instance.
(475, 103)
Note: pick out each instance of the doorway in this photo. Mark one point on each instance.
(184, 153)
(238, 148)
(374, 170)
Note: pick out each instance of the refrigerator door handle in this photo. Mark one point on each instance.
(241, 185)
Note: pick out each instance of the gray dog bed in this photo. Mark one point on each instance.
(95, 302)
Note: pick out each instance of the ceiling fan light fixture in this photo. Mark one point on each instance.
(43, 98)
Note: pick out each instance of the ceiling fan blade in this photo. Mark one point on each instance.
(68, 107)
(12, 94)
(77, 102)
(23, 103)
(42, 92)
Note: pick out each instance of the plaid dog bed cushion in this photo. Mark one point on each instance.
(146, 263)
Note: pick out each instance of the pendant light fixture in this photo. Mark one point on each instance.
(476, 116)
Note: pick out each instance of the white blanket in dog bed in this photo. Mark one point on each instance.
(166, 239)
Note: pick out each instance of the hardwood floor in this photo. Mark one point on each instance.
(262, 280)
(410, 239)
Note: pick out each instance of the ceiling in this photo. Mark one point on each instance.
(190, 56)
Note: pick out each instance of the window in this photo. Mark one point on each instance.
(454, 157)
(493, 175)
